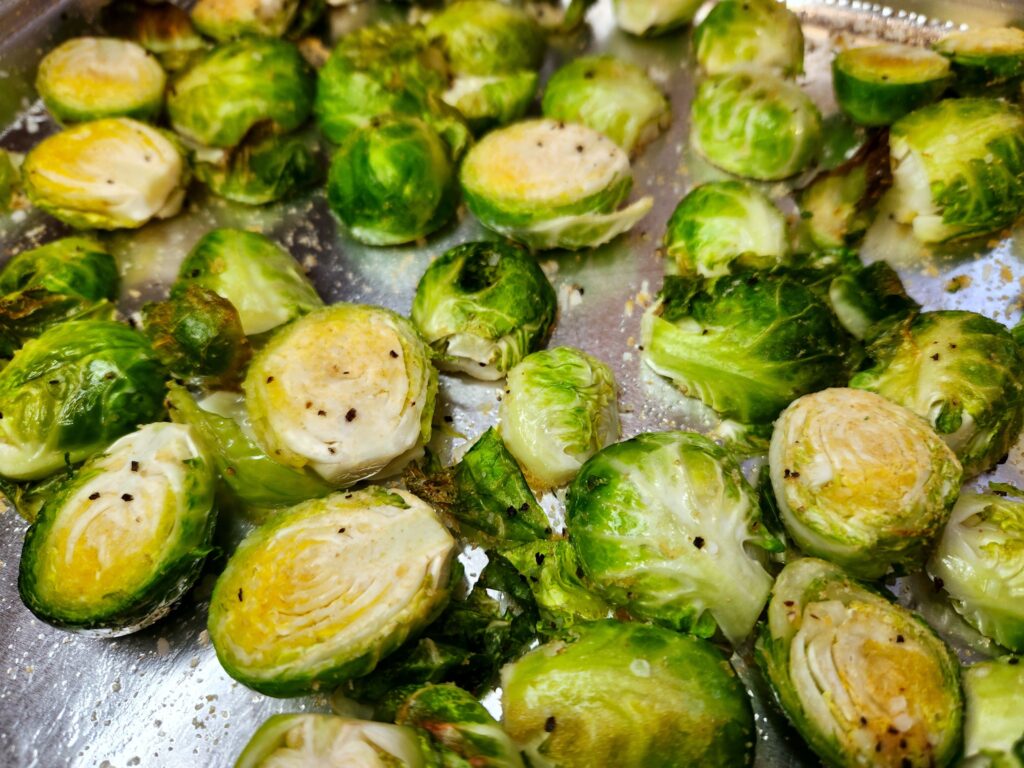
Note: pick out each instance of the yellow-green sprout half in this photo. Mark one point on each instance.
(864, 681)
(328, 588)
(652, 17)
(122, 540)
(993, 717)
(227, 19)
(548, 184)
(760, 34)
(347, 391)
(88, 78)
(107, 174)
(984, 58)
(859, 480)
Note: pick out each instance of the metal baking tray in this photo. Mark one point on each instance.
(159, 697)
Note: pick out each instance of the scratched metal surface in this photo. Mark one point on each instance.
(159, 698)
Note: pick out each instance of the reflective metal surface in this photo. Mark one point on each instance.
(160, 698)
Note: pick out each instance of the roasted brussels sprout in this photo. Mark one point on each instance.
(757, 34)
(227, 19)
(866, 298)
(71, 392)
(124, 538)
(861, 481)
(755, 125)
(238, 85)
(611, 96)
(726, 224)
(666, 525)
(163, 29)
(746, 345)
(653, 17)
(9, 180)
(368, 568)
(486, 101)
(958, 168)
(983, 58)
(978, 562)
(864, 681)
(393, 182)
(879, 84)
(260, 279)
(559, 409)
(627, 695)
(262, 169)
(962, 372)
(993, 722)
(548, 184)
(347, 391)
(483, 307)
(88, 78)
(107, 174)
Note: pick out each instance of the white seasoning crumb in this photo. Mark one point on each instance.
(163, 647)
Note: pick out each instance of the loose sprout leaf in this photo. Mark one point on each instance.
(756, 34)
(653, 17)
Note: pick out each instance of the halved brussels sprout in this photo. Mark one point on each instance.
(984, 58)
(958, 168)
(861, 481)
(962, 372)
(879, 84)
(9, 180)
(653, 17)
(865, 298)
(486, 101)
(627, 695)
(326, 589)
(548, 184)
(559, 409)
(88, 78)
(163, 29)
(124, 538)
(238, 85)
(611, 96)
(262, 169)
(263, 282)
(993, 719)
(746, 345)
(393, 182)
(347, 391)
(724, 224)
(107, 174)
(755, 34)
(755, 125)
(666, 525)
(978, 560)
(483, 307)
(863, 680)
(71, 392)
(327, 740)
(227, 19)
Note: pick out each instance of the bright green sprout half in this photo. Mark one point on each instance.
(262, 169)
(653, 17)
(761, 35)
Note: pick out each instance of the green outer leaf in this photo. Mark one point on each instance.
(867, 298)
(486, 37)
(264, 170)
(993, 726)
(759, 34)
(73, 266)
(490, 101)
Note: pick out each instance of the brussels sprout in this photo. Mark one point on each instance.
(653, 17)
(865, 297)
(227, 19)
(879, 84)
(486, 101)
(238, 85)
(958, 168)
(326, 589)
(611, 96)
(107, 174)
(962, 372)
(347, 391)
(755, 125)
(746, 345)
(724, 224)
(393, 182)
(628, 695)
(483, 307)
(548, 184)
(559, 409)
(487, 37)
(9, 180)
(124, 538)
(665, 525)
(163, 29)
(978, 561)
(198, 336)
(861, 481)
(756, 34)
(984, 58)
(993, 719)
(262, 169)
(88, 78)
(328, 740)
(71, 392)
(258, 277)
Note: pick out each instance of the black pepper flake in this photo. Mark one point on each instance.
(547, 531)
(348, 495)
(135, 466)
(539, 557)
(863, 720)
(549, 724)
(935, 356)
(330, 450)
(269, 379)
(588, 75)
(525, 506)
(393, 353)
(94, 496)
(899, 638)
(903, 745)
(309, 405)
(239, 594)
(341, 530)
(906, 763)
(892, 729)
(195, 273)
(939, 583)
(788, 603)
(126, 497)
(698, 542)
(511, 511)
(448, 419)
(1013, 661)
(878, 747)
(321, 413)
(579, 148)
(579, 571)
(704, 332)
(534, 579)
(350, 415)
(54, 381)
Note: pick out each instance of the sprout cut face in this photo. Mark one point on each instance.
(994, 724)
(324, 591)
(483, 307)
(653, 17)
(628, 695)
(347, 391)
(126, 537)
(861, 481)
(864, 681)
(559, 409)
(756, 34)
(983, 58)
(108, 174)
(664, 524)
